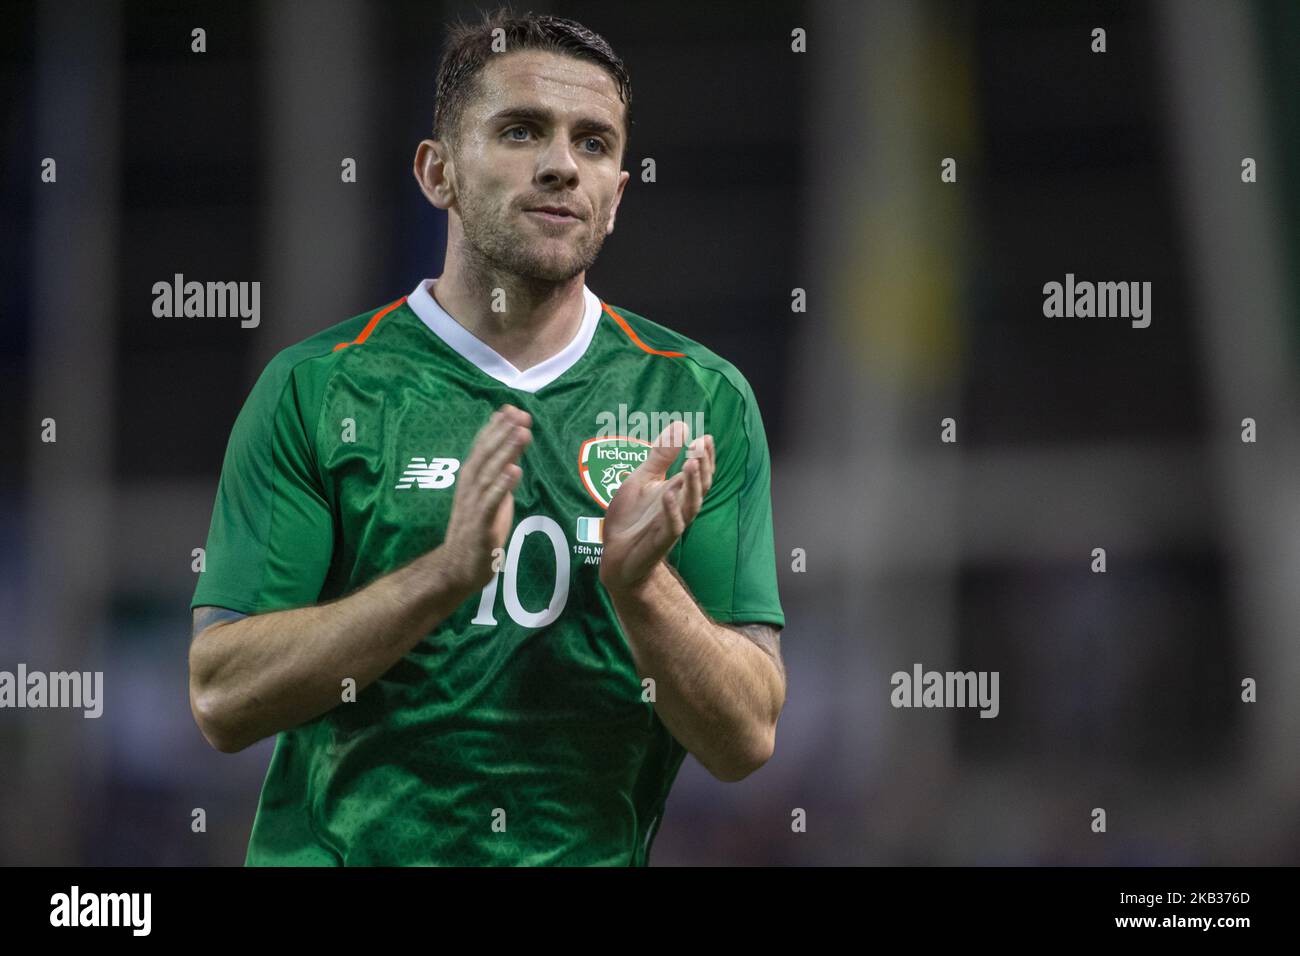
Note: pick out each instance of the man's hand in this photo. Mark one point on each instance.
(483, 508)
(648, 513)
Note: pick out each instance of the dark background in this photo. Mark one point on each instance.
(775, 171)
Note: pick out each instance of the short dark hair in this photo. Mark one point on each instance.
(468, 46)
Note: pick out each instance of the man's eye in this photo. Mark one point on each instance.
(516, 129)
(600, 144)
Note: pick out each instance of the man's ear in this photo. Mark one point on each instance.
(623, 177)
(435, 172)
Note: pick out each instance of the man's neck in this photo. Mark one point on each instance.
(538, 319)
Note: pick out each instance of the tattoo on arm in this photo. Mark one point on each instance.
(206, 615)
(766, 636)
(768, 639)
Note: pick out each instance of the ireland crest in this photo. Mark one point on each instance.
(605, 463)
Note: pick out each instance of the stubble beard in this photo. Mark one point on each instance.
(497, 240)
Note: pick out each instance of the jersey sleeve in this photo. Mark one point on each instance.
(727, 555)
(272, 533)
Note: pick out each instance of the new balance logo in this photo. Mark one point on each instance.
(429, 473)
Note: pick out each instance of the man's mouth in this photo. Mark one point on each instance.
(555, 213)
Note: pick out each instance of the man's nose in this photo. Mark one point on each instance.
(557, 163)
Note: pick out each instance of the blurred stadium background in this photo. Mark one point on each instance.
(776, 171)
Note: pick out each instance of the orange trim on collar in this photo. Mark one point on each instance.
(370, 326)
(622, 323)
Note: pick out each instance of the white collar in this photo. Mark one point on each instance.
(461, 340)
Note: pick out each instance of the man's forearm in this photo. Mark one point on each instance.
(268, 672)
(717, 692)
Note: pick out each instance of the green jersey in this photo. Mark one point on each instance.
(518, 731)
